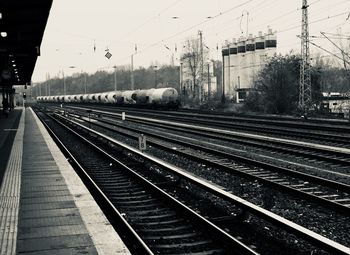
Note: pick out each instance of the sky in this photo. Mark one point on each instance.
(80, 32)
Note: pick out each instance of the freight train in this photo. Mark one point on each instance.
(166, 98)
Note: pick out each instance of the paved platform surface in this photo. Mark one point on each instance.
(45, 208)
(8, 130)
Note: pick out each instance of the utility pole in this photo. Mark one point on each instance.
(132, 72)
(46, 86)
(155, 76)
(229, 67)
(115, 78)
(49, 83)
(64, 83)
(181, 78)
(200, 94)
(209, 81)
(85, 89)
(223, 78)
(344, 54)
(305, 76)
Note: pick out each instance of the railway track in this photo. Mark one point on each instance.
(277, 220)
(325, 133)
(158, 223)
(307, 151)
(338, 122)
(327, 193)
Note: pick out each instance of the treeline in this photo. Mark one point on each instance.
(101, 81)
(276, 89)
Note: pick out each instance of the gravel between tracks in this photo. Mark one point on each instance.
(318, 219)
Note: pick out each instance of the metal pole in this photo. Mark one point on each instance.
(132, 72)
(223, 78)
(47, 85)
(202, 71)
(181, 79)
(239, 86)
(85, 83)
(115, 78)
(64, 83)
(209, 81)
(229, 69)
(155, 76)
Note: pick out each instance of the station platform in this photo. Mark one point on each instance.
(44, 206)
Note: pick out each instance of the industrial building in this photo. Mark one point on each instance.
(242, 60)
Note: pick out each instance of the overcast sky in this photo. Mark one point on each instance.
(76, 27)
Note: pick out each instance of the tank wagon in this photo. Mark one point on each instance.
(166, 98)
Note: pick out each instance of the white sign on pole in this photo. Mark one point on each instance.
(123, 115)
(142, 142)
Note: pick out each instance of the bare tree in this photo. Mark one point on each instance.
(194, 73)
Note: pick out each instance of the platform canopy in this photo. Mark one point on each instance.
(22, 25)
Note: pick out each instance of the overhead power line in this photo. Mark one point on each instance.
(312, 22)
(342, 51)
(192, 27)
(329, 52)
(220, 31)
(152, 18)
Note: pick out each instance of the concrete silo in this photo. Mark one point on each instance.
(226, 68)
(270, 43)
(233, 67)
(248, 70)
(247, 57)
(259, 52)
(242, 77)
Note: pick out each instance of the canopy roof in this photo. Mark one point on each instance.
(22, 25)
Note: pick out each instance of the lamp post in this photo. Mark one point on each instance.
(48, 88)
(132, 72)
(85, 85)
(64, 83)
(223, 78)
(181, 77)
(83, 75)
(115, 78)
(72, 68)
(155, 76)
(64, 80)
(209, 82)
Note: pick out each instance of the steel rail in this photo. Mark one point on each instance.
(136, 239)
(340, 152)
(318, 199)
(222, 235)
(232, 120)
(316, 239)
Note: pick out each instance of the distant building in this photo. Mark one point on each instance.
(336, 103)
(243, 59)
